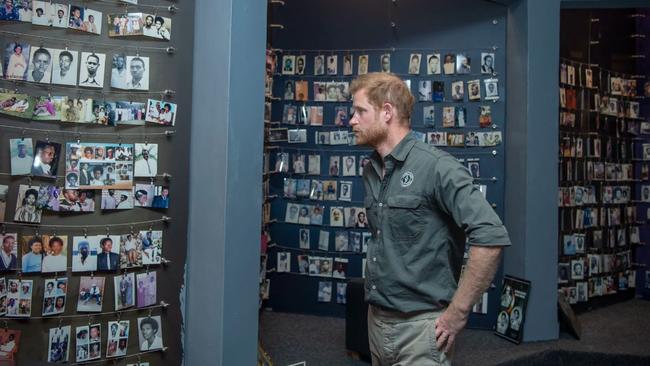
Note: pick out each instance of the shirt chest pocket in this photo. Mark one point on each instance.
(405, 217)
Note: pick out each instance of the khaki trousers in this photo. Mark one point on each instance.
(404, 339)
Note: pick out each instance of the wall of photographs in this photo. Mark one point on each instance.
(604, 183)
(315, 212)
(94, 120)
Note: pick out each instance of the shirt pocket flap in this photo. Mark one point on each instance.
(404, 201)
(368, 201)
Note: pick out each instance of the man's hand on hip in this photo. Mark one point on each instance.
(448, 326)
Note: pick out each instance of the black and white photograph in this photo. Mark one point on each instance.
(340, 268)
(91, 69)
(577, 269)
(429, 115)
(9, 254)
(146, 289)
(42, 13)
(146, 160)
(289, 90)
(91, 294)
(424, 90)
(40, 65)
(79, 110)
(303, 264)
(474, 90)
(324, 291)
(512, 308)
(125, 24)
(341, 241)
(323, 240)
(487, 63)
(384, 62)
(161, 112)
(150, 333)
(414, 63)
(124, 286)
(313, 164)
(65, 66)
(332, 64)
(59, 344)
(349, 166)
(345, 191)
(26, 208)
(156, 26)
(449, 64)
(84, 253)
(491, 89)
(457, 91)
(463, 65)
(54, 296)
(474, 168)
(319, 65)
(301, 63)
(16, 62)
(303, 238)
(46, 159)
(297, 136)
(433, 64)
(288, 65)
(336, 216)
(137, 76)
(283, 262)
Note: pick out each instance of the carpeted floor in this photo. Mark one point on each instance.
(618, 329)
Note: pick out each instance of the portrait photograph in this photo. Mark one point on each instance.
(156, 26)
(324, 291)
(457, 91)
(460, 116)
(448, 115)
(124, 25)
(302, 90)
(40, 65)
(429, 115)
(323, 240)
(349, 166)
(302, 188)
(150, 333)
(433, 64)
(146, 289)
(336, 216)
(16, 60)
(345, 191)
(303, 264)
(316, 191)
(9, 258)
(161, 112)
(301, 63)
(77, 110)
(414, 63)
(84, 253)
(92, 21)
(54, 296)
(491, 89)
(59, 344)
(347, 64)
(303, 238)
(330, 190)
(289, 88)
(319, 65)
(91, 69)
(118, 337)
(332, 64)
(291, 215)
(438, 91)
(340, 268)
(340, 116)
(362, 68)
(463, 64)
(56, 253)
(341, 241)
(9, 343)
(16, 104)
(91, 294)
(146, 160)
(137, 77)
(284, 262)
(289, 114)
(124, 291)
(474, 168)
(42, 13)
(384, 62)
(424, 90)
(449, 64)
(288, 64)
(22, 156)
(487, 63)
(65, 66)
(316, 215)
(26, 207)
(474, 90)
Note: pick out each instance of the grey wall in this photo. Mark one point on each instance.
(225, 175)
(531, 158)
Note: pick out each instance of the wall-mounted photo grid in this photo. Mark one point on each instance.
(317, 218)
(604, 190)
(84, 192)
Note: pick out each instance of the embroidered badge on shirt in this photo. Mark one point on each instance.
(407, 179)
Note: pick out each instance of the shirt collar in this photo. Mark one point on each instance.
(399, 153)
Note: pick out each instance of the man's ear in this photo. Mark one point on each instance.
(387, 112)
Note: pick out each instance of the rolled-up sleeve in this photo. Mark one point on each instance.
(456, 194)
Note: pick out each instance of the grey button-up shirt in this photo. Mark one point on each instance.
(420, 214)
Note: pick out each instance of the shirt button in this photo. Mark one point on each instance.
(374, 287)
(378, 232)
(381, 204)
(374, 259)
